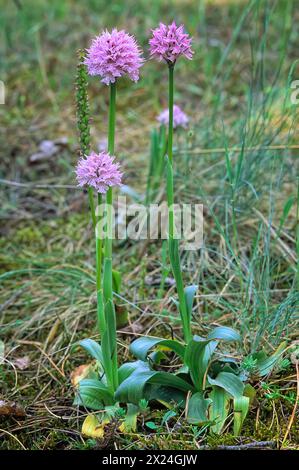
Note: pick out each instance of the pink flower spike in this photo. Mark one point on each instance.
(112, 55)
(180, 119)
(170, 42)
(98, 171)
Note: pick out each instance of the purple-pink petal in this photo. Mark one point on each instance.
(180, 119)
(112, 55)
(170, 42)
(98, 171)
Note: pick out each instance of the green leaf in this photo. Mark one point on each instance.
(241, 407)
(167, 416)
(219, 408)
(287, 207)
(173, 246)
(229, 382)
(101, 312)
(224, 333)
(128, 368)
(197, 357)
(116, 281)
(169, 380)
(151, 425)
(166, 395)
(130, 422)
(249, 392)
(93, 394)
(265, 364)
(189, 296)
(174, 257)
(131, 390)
(197, 412)
(109, 346)
(156, 357)
(107, 364)
(112, 411)
(141, 346)
(92, 347)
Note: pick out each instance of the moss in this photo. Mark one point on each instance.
(29, 235)
(215, 440)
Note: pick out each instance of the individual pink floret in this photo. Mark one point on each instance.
(112, 55)
(98, 171)
(180, 119)
(170, 42)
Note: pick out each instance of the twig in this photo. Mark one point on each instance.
(14, 437)
(250, 445)
(38, 186)
(238, 149)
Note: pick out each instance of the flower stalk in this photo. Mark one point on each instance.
(168, 43)
(109, 200)
(110, 334)
(172, 240)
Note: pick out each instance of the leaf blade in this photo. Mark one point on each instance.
(224, 333)
(93, 394)
(93, 348)
(229, 382)
(141, 346)
(197, 358)
(197, 412)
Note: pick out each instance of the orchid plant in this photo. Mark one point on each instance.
(110, 56)
(168, 43)
(204, 382)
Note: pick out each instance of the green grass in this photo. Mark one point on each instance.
(236, 159)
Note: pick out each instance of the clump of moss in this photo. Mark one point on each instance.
(173, 441)
(215, 440)
(31, 235)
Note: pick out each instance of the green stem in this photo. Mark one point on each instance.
(92, 207)
(109, 200)
(173, 244)
(170, 106)
(99, 255)
(110, 334)
(111, 135)
(108, 294)
(169, 149)
(99, 250)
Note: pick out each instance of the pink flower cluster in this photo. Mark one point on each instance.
(112, 55)
(170, 42)
(98, 171)
(180, 119)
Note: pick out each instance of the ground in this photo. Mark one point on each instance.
(237, 92)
